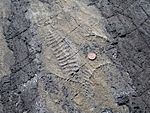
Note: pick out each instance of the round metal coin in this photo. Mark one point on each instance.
(91, 56)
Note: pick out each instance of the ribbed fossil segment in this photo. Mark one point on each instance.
(63, 53)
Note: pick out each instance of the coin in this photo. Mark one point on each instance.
(91, 56)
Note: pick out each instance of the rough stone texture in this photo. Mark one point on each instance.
(6, 57)
(128, 26)
(43, 56)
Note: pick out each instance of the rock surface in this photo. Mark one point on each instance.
(44, 64)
